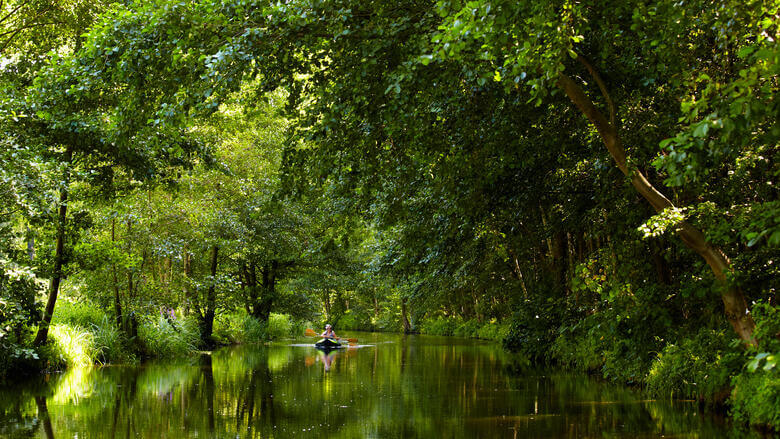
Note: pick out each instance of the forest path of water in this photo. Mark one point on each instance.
(389, 386)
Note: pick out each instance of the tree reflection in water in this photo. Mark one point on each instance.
(397, 387)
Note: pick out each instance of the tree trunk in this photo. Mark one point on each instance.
(191, 299)
(405, 317)
(734, 302)
(560, 259)
(117, 301)
(30, 244)
(265, 303)
(207, 324)
(59, 256)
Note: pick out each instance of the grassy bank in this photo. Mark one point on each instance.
(82, 334)
(705, 364)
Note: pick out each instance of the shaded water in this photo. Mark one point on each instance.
(415, 386)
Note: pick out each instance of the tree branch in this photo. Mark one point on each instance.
(595, 75)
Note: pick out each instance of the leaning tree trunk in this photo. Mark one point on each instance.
(59, 256)
(732, 296)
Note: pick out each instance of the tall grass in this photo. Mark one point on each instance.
(163, 338)
(242, 328)
(111, 344)
(70, 346)
(83, 314)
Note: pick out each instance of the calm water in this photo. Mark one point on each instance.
(397, 387)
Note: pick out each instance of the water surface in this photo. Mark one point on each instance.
(390, 386)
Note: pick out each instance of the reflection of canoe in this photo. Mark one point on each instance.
(327, 344)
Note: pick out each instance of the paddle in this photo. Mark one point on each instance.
(310, 333)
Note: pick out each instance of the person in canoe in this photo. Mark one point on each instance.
(329, 332)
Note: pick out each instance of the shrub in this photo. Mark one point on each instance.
(388, 320)
(229, 328)
(353, 321)
(493, 331)
(279, 325)
(253, 330)
(82, 313)
(15, 354)
(299, 326)
(243, 328)
(161, 337)
(756, 398)
(439, 326)
(577, 346)
(700, 367)
(467, 329)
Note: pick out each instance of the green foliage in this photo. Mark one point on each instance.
(279, 326)
(533, 327)
(70, 346)
(78, 313)
(493, 331)
(767, 334)
(240, 327)
(111, 344)
(579, 346)
(352, 321)
(698, 367)
(439, 326)
(468, 328)
(465, 328)
(755, 399)
(161, 337)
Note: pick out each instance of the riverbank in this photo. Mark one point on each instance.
(82, 335)
(705, 365)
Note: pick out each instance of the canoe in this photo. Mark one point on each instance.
(327, 343)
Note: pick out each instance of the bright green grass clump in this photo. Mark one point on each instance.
(71, 346)
(163, 337)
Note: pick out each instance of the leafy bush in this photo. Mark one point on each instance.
(577, 346)
(161, 337)
(82, 313)
(439, 326)
(493, 331)
(229, 328)
(756, 398)
(354, 320)
(279, 325)
(700, 367)
(389, 319)
(534, 327)
(14, 350)
(243, 328)
(467, 329)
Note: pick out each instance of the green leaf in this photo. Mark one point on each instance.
(701, 129)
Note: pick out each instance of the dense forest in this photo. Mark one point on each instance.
(592, 184)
